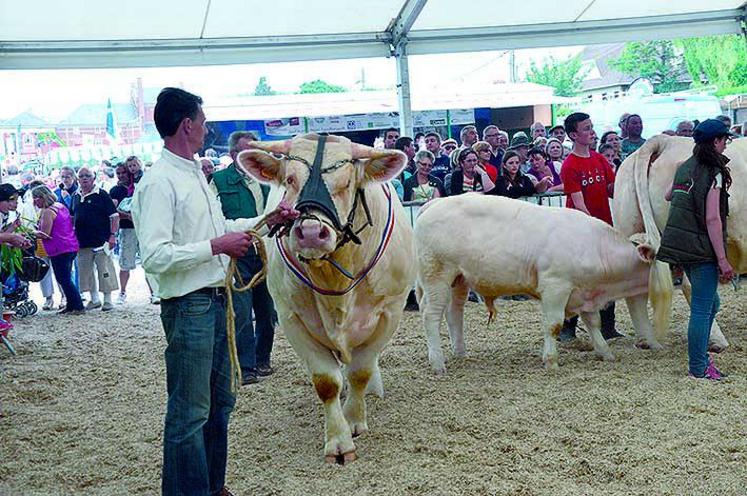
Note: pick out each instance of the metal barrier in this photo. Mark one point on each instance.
(553, 199)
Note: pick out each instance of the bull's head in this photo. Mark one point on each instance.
(322, 186)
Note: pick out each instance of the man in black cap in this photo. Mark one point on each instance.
(8, 203)
(558, 132)
(520, 144)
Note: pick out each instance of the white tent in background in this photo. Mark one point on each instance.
(144, 33)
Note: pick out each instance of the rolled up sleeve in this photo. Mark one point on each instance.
(153, 216)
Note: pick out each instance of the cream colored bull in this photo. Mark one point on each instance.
(336, 333)
(640, 185)
(573, 263)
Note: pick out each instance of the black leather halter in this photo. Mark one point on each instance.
(315, 196)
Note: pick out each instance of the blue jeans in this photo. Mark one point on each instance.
(253, 345)
(195, 439)
(704, 303)
(62, 266)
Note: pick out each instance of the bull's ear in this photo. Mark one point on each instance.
(384, 165)
(646, 252)
(261, 165)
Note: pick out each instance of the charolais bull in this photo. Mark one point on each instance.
(340, 274)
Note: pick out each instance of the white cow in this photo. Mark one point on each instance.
(496, 246)
(640, 185)
(328, 325)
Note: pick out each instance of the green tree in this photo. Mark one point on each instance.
(565, 76)
(658, 61)
(262, 88)
(320, 86)
(716, 60)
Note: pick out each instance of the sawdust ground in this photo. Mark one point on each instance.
(82, 409)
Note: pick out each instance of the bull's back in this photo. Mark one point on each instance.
(503, 242)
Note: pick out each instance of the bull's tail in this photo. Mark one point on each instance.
(660, 286)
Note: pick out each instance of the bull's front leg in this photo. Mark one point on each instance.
(326, 376)
(363, 367)
(432, 307)
(638, 308)
(716, 341)
(554, 302)
(593, 323)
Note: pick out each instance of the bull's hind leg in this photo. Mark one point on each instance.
(593, 323)
(362, 368)
(435, 298)
(717, 341)
(326, 376)
(638, 308)
(455, 316)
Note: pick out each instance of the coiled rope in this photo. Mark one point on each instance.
(233, 276)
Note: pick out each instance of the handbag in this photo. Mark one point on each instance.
(33, 269)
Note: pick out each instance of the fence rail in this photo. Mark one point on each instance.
(553, 199)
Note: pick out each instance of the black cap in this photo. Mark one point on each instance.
(7, 191)
(519, 139)
(709, 129)
(556, 126)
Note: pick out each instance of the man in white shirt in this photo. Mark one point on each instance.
(185, 246)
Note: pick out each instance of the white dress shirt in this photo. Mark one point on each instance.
(176, 215)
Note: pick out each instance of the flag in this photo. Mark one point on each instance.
(111, 130)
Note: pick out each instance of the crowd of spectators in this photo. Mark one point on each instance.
(526, 164)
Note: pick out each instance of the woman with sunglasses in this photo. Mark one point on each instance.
(695, 236)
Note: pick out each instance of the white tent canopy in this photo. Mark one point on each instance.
(50, 34)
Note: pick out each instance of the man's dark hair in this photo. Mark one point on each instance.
(402, 142)
(172, 107)
(571, 122)
(387, 131)
(433, 134)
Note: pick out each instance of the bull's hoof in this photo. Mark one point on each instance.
(642, 344)
(439, 371)
(608, 357)
(341, 459)
(551, 363)
(717, 347)
(358, 428)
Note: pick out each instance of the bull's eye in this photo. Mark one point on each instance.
(290, 181)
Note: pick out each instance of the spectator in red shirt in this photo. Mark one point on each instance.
(484, 154)
(588, 182)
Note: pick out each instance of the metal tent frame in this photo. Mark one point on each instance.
(76, 42)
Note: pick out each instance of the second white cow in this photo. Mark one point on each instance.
(573, 263)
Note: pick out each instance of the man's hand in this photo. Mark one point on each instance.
(726, 270)
(233, 244)
(112, 242)
(282, 214)
(15, 240)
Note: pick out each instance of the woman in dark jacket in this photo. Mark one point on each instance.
(695, 236)
(468, 176)
(512, 183)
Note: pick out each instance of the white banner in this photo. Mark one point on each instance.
(362, 122)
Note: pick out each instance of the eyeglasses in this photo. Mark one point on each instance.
(450, 148)
(490, 135)
(85, 175)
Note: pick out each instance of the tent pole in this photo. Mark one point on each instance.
(403, 90)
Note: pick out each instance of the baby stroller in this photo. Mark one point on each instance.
(16, 284)
(16, 296)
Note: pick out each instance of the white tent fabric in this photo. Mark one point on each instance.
(80, 33)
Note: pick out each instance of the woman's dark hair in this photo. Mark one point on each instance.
(509, 154)
(172, 107)
(716, 162)
(463, 154)
(537, 151)
(603, 139)
(604, 147)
